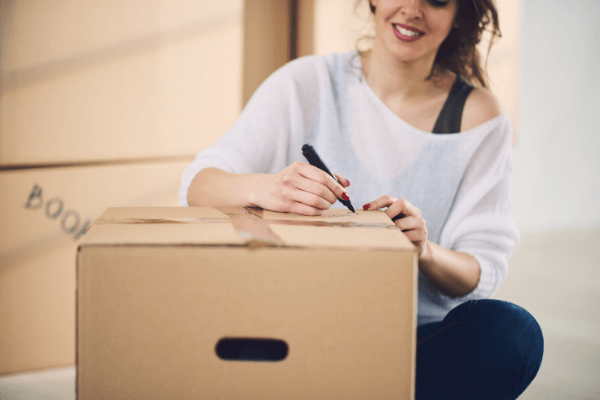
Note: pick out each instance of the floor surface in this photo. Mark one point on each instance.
(556, 277)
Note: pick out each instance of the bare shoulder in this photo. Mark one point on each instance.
(480, 107)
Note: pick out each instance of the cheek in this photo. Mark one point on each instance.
(443, 28)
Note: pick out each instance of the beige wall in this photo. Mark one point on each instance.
(85, 80)
(504, 63)
(338, 24)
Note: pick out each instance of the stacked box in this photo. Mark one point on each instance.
(45, 214)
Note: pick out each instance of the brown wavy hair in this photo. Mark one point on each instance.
(458, 53)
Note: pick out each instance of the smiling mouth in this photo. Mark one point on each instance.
(407, 32)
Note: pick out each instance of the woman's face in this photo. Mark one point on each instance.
(413, 30)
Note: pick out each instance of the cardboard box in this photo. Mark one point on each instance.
(326, 305)
(82, 81)
(38, 246)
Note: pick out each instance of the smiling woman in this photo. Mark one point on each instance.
(411, 123)
(458, 51)
(420, 28)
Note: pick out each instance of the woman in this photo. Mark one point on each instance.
(415, 137)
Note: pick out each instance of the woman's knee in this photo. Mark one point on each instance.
(515, 343)
(517, 332)
(502, 329)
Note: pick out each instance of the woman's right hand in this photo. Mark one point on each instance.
(299, 188)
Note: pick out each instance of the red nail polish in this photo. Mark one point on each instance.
(347, 182)
(366, 207)
(345, 196)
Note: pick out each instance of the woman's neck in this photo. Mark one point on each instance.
(393, 79)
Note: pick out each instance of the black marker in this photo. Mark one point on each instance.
(401, 215)
(313, 159)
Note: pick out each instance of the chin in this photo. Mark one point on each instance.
(406, 56)
(411, 55)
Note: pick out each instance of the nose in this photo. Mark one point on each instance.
(411, 9)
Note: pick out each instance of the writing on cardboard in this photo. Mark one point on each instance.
(53, 208)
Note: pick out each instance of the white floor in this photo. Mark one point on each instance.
(555, 276)
(52, 384)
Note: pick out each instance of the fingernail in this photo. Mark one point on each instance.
(366, 207)
(347, 182)
(345, 196)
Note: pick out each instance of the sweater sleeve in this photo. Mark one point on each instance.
(258, 140)
(480, 222)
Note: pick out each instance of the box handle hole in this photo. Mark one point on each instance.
(251, 349)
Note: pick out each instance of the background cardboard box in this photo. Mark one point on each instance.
(159, 289)
(85, 81)
(37, 252)
(96, 88)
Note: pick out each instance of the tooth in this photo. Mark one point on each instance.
(405, 32)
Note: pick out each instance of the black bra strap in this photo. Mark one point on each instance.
(451, 115)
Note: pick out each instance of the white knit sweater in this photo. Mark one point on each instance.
(460, 181)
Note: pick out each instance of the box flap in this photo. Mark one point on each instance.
(358, 238)
(336, 228)
(176, 214)
(168, 234)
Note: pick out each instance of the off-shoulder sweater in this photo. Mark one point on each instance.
(459, 181)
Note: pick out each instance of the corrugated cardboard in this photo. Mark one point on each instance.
(156, 296)
(82, 81)
(38, 249)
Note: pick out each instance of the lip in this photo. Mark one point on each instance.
(405, 38)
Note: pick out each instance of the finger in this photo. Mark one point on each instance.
(343, 181)
(303, 209)
(311, 199)
(316, 188)
(383, 201)
(296, 181)
(410, 223)
(402, 206)
(314, 173)
(416, 236)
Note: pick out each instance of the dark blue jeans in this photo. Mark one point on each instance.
(483, 349)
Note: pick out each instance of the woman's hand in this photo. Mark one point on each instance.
(412, 224)
(299, 188)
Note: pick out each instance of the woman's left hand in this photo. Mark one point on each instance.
(412, 224)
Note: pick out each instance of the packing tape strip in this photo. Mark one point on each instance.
(101, 221)
(256, 232)
(248, 224)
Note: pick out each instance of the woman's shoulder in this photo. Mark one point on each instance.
(481, 106)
